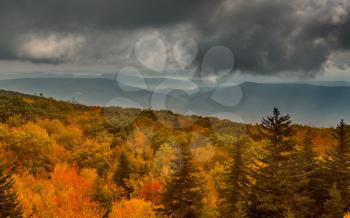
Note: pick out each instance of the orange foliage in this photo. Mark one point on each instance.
(36, 195)
(95, 109)
(66, 194)
(151, 191)
(28, 100)
(48, 187)
(133, 208)
(203, 154)
(29, 146)
(322, 138)
(139, 138)
(199, 129)
(73, 199)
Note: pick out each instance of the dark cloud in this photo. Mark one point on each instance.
(109, 14)
(266, 36)
(271, 36)
(344, 34)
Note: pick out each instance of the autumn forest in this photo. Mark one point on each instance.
(61, 159)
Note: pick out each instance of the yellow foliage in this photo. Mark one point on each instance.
(203, 153)
(36, 195)
(89, 174)
(28, 100)
(66, 194)
(133, 208)
(69, 136)
(136, 141)
(34, 144)
(93, 154)
(163, 159)
(65, 166)
(60, 154)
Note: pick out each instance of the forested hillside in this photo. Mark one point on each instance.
(59, 159)
(319, 104)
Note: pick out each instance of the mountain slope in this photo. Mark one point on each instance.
(308, 104)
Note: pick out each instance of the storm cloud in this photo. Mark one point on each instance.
(268, 37)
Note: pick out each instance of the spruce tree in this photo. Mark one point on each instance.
(9, 206)
(279, 183)
(308, 154)
(315, 186)
(337, 163)
(102, 197)
(123, 171)
(289, 214)
(184, 193)
(234, 196)
(334, 205)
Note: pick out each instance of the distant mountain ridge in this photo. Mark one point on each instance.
(313, 104)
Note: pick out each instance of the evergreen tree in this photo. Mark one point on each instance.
(9, 206)
(334, 206)
(308, 154)
(315, 186)
(183, 195)
(289, 214)
(102, 197)
(234, 195)
(123, 171)
(337, 163)
(280, 186)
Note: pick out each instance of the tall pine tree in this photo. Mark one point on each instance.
(9, 206)
(334, 205)
(337, 164)
(183, 195)
(308, 155)
(234, 202)
(315, 186)
(124, 169)
(279, 183)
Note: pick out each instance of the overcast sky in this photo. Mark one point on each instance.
(300, 39)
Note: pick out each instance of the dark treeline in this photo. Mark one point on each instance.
(282, 180)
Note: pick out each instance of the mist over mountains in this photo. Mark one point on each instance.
(316, 103)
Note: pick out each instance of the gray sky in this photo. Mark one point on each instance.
(298, 39)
